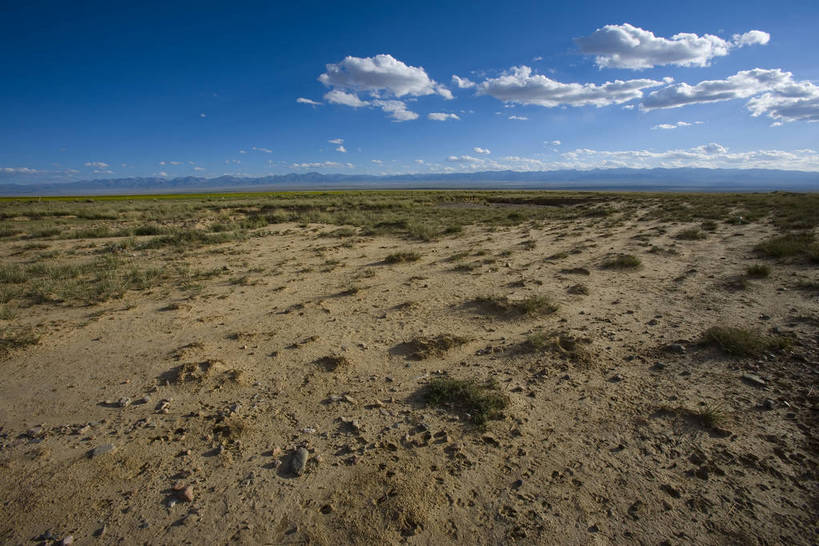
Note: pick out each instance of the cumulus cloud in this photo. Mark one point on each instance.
(479, 150)
(521, 86)
(336, 141)
(337, 96)
(463, 158)
(302, 100)
(462, 83)
(396, 109)
(752, 37)
(627, 46)
(385, 79)
(96, 164)
(381, 74)
(441, 116)
(772, 92)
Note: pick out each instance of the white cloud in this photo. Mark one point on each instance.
(396, 109)
(381, 74)
(479, 150)
(772, 92)
(441, 116)
(521, 86)
(162, 173)
(385, 79)
(265, 150)
(18, 170)
(199, 169)
(521, 118)
(709, 156)
(462, 83)
(336, 141)
(96, 164)
(419, 161)
(203, 115)
(341, 149)
(302, 100)
(752, 37)
(337, 96)
(553, 142)
(321, 165)
(677, 125)
(242, 151)
(464, 158)
(376, 161)
(627, 46)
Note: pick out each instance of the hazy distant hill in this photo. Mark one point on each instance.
(692, 179)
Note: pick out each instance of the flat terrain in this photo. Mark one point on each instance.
(459, 367)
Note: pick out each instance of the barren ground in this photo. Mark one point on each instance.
(622, 426)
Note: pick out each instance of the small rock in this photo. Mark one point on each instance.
(754, 380)
(67, 540)
(671, 491)
(184, 494)
(517, 484)
(677, 348)
(327, 509)
(164, 406)
(616, 378)
(124, 402)
(768, 404)
(659, 366)
(491, 440)
(349, 399)
(299, 461)
(102, 450)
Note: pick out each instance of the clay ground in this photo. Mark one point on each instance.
(208, 364)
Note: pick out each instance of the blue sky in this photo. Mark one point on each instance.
(100, 90)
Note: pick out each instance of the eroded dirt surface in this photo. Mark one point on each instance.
(300, 343)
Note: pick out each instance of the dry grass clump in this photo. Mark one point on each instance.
(578, 289)
(426, 347)
(790, 245)
(758, 271)
(530, 306)
(691, 234)
(332, 363)
(621, 261)
(199, 372)
(402, 257)
(743, 342)
(16, 338)
(561, 343)
(480, 402)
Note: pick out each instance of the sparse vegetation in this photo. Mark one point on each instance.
(579, 289)
(332, 363)
(743, 342)
(561, 343)
(12, 338)
(437, 346)
(401, 257)
(759, 271)
(529, 306)
(621, 261)
(481, 402)
(790, 245)
(691, 234)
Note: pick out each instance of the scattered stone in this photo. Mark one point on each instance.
(491, 440)
(768, 404)
(671, 491)
(517, 484)
(350, 399)
(658, 366)
(754, 380)
(144, 400)
(299, 462)
(124, 402)
(164, 406)
(616, 378)
(634, 509)
(677, 348)
(184, 493)
(327, 509)
(101, 450)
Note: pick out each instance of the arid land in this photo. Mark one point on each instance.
(410, 367)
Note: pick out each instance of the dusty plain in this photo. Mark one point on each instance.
(458, 367)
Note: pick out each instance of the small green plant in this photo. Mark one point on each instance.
(759, 271)
(401, 257)
(711, 416)
(480, 401)
(621, 261)
(16, 338)
(743, 342)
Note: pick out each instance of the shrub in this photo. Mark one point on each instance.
(759, 271)
(621, 261)
(481, 402)
(742, 342)
(401, 257)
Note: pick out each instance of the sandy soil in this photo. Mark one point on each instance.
(215, 390)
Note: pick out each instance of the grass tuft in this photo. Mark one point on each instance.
(530, 306)
(426, 347)
(402, 257)
(481, 402)
(759, 271)
(743, 342)
(621, 261)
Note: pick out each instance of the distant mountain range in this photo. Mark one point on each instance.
(683, 179)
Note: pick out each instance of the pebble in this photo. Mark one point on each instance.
(184, 493)
(658, 366)
(102, 450)
(124, 402)
(299, 461)
(67, 540)
(754, 380)
(677, 348)
(616, 378)
(768, 404)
